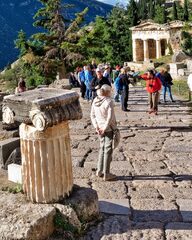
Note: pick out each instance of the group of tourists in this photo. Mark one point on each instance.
(102, 109)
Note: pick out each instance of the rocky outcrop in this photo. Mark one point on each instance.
(179, 56)
(85, 203)
(22, 220)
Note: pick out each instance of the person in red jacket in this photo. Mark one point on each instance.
(153, 85)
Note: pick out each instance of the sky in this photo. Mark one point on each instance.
(113, 2)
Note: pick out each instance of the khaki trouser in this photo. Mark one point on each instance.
(105, 152)
(153, 100)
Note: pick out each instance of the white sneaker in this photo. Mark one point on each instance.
(109, 176)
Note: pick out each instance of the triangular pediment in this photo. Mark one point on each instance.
(148, 25)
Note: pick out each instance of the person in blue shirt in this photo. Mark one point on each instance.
(88, 80)
(81, 79)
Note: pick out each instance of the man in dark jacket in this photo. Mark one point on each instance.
(124, 79)
(98, 82)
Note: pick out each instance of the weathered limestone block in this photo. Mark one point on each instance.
(174, 67)
(23, 220)
(85, 203)
(70, 214)
(6, 148)
(46, 162)
(189, 65)
(179, 56)
(42, 107)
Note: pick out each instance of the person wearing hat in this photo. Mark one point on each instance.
(153, 86)
(107, 73)
(104, 121)
(98, 81)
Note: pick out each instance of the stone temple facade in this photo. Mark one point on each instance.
(152, 40)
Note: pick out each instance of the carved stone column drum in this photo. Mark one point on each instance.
(45, 140)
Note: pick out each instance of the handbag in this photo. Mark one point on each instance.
(116, 138)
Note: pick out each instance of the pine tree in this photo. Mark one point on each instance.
(60, 37)
(186, 12)
(142, 6)
(55, 47)
(161, 15)
(132, 13)
(174, 10)
(151, 9)
(21, 43)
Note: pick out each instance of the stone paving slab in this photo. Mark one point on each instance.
(23, 220)
(110, 190)
(115, 206)
(185, 207)
(110, 225)
(178, 231)
(143, 167)
(149, 231)
(145, 210)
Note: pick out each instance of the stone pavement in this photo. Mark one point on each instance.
(152, 197)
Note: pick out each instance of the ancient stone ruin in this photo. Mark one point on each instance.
(151, 40)
(45, 141)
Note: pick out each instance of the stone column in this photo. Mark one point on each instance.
(146, 50)
(134, 50)
(45, 141)
(46, 162)
(158, 48)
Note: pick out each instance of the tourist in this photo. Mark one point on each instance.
(73, 80)
(93, 65)
(98, 82)
(81, 79)
(104, 122)
(124, 81)
(107, 73)
(21, 86)
(189, 82)
(166, 81)
(88, 80)
(153, 86)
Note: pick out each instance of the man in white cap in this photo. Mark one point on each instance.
(104, 122)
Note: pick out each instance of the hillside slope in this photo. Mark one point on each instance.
(18, 14)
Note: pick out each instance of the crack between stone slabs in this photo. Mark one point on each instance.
(178, 209)
(164, 231)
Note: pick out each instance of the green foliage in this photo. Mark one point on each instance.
(174, 12)
(16, 189)
(186, 42)
(142, 6)
(21, 43)
(185, 11)
(132, 13)
(151, 9)
(160, 14)
(181, 89)
(180, 12)
(61, 222)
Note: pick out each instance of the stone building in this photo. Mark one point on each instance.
(152, 40)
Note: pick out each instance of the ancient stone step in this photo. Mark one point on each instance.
(115, 206)
(22, 220)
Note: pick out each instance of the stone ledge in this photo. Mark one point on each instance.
(6, 148)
